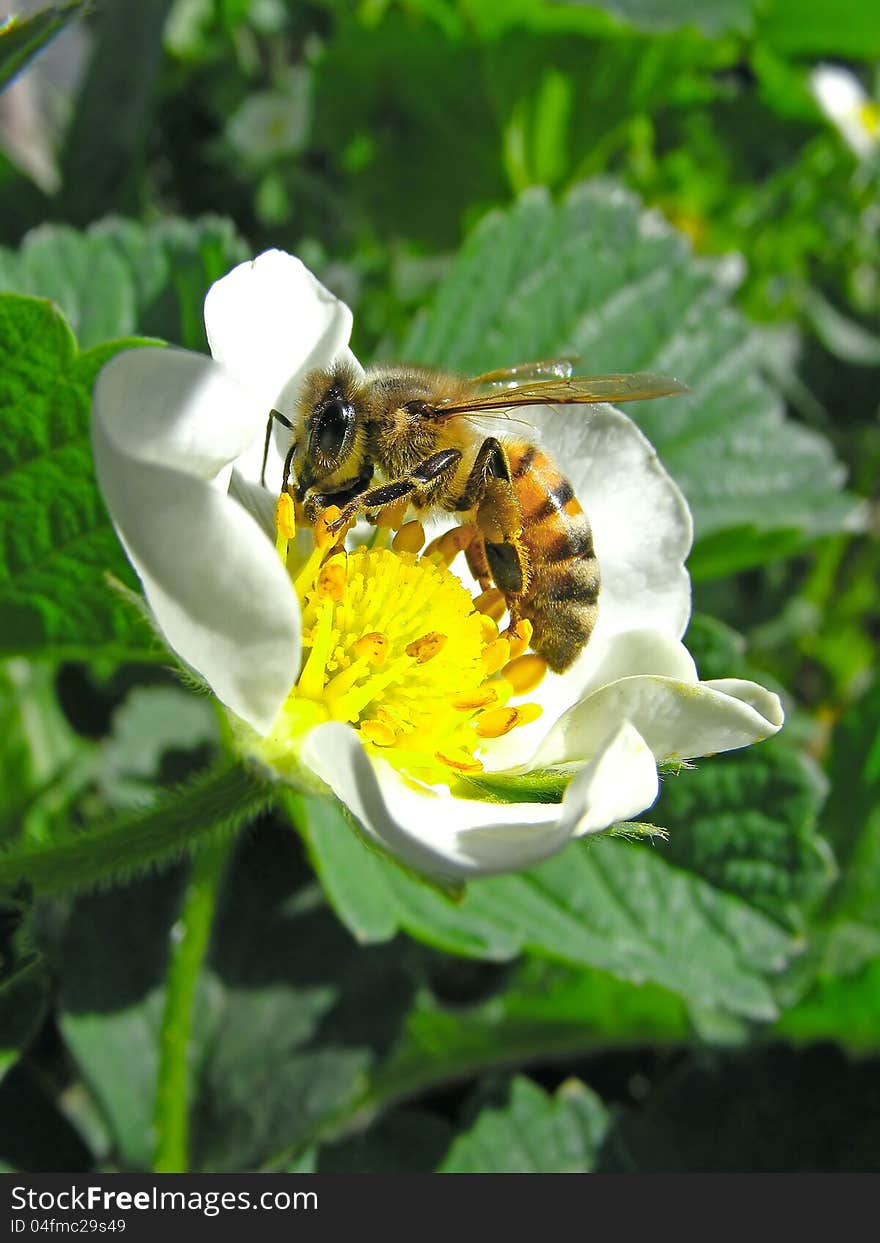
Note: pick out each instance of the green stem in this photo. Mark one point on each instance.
(173, 1086)
(215, 803)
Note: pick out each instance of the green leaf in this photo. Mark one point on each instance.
(213, 804)
(848, 28)
(534, 1134)
(747, 823)
(540, 1012)
(22, 38)
(119, 277)
(849, 923)
(845, 1009)
(285, 1020)
(598, 278)
(713, 17)
(58, 545)
(607, 904)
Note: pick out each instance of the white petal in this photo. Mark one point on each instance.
(606, 660)
(618, 783)
(269, 321)
(678, 720)
(841, 97)
(166, 424)
(641, 523)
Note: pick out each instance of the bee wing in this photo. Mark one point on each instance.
(579, 390)
(511, 377)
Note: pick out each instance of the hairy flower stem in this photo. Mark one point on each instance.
(192, 933)
(213, 804)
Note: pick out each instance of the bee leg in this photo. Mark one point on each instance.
(489, 492)
(315, 502)
(426, 476)
(478, 564)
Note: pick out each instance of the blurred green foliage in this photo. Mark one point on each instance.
(643, 184)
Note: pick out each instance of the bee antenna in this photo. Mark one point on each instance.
(285, 422)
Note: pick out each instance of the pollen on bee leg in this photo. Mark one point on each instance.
(409, 538)
(426, 647)
(448, 545)
(525, 672)
(496, 722)
(492, 603)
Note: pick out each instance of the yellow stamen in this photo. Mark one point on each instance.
(331, 580)
(492, 603)
(481, 698)
(448, 545)
(426, 648)
(490, 627)
(378, 733)
(869, 115)
(285, 519)
(409, 538)
(495, 655)
(520, 636)
(373, 647)
(524, 673)
(461, 763)
(395, 645)
(496, 722)
(324, 536)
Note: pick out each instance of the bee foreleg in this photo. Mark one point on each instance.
(490, 463)
(314, 502)
(426, 476)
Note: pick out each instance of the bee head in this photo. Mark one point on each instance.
(328, 434)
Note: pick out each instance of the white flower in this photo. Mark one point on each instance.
(178, 439)
(273, 123)
(842, 98)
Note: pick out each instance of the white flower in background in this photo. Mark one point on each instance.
(842, 98)
(370, 671)
(274, 123)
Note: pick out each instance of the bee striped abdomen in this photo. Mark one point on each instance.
(561, 599)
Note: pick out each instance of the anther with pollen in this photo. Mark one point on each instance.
(373, 648)
(525, 672)
(409, 538)
(496, 722)
(426, 648)
(448, 545)
(492, 603)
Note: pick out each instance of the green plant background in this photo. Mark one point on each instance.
(196, 975)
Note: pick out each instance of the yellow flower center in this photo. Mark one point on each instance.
(869, 115)
(395, 646)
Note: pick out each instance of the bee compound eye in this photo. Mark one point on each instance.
(331, 427)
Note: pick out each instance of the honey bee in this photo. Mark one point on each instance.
(420, 431)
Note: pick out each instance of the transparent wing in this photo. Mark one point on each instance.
(510, 377)
(576, 390)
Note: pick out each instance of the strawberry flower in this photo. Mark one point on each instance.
(379, 672)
